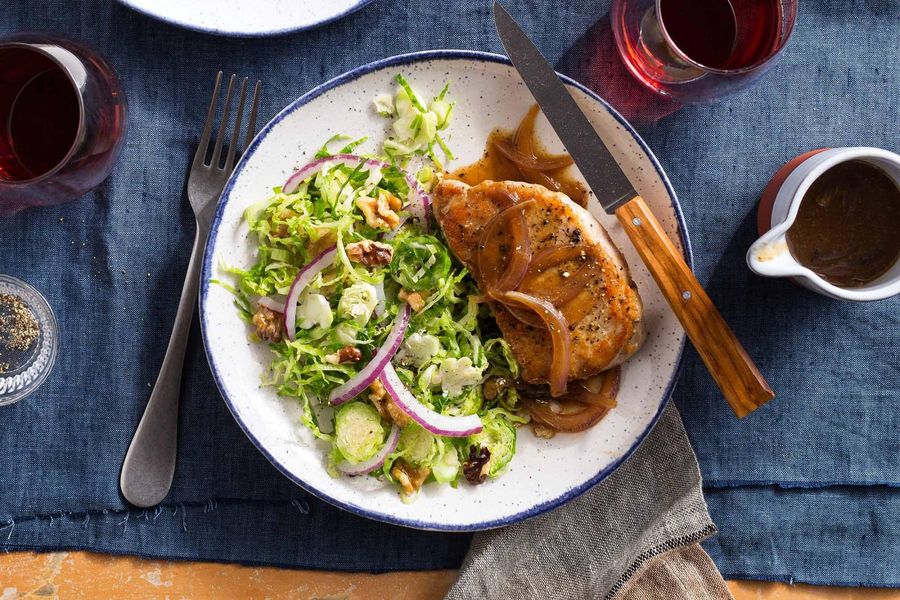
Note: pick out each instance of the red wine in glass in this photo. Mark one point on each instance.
(62, 120)
(42, 116)
(699, 49)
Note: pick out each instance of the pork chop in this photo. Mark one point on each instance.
(605, 317)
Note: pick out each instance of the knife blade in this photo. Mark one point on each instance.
(601, 171)
(731, 367)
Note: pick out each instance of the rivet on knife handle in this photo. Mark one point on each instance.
(741, 383)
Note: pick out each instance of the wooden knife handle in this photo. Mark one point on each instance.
(740, 381)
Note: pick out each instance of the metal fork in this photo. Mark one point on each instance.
(149, 464)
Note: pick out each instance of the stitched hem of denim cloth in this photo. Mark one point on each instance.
(208, 505)
(808, 581)
(804, 485)
(195, 531)
(115, 551)
(687, 540)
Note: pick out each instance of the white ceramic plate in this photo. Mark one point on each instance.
(544, 473)
(241, 18)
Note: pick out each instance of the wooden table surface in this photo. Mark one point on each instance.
(83, 575)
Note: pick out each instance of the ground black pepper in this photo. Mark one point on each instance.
(19, 329)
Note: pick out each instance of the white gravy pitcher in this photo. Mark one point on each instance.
(770, 255)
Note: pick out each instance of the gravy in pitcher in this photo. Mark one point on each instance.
(848, 227)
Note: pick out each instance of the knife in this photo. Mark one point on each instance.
(737, 376)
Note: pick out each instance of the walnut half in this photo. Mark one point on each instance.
(281, 230)
(385, 404)
(381, 212)
(416, 300)
(409, 477)
(268, 324)
(369, 253)
(345, 354)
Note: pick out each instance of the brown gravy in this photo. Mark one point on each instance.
(848, 227)
(494, 166)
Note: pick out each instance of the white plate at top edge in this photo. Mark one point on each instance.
(232, 18)
(544, 473)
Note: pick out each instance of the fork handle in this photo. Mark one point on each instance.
(149, 464)
(741, 383)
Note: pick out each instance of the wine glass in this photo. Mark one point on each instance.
(694, 50)
(62, 120)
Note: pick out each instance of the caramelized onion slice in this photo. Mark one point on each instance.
(553, 256)
(581, 417)
(551, 162)
(562, 294)
(523, 139)
(572, 314)
(519, 251)
(561, 297)
(503, 198)
(525, 316)
(524, 143)
(487, 255)
(541, 178)
(574, 283)
(559, 333)
(599, 390)
(581, 408)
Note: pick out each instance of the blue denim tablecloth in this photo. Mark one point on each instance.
(802, 489)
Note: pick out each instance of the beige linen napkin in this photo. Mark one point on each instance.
(632, 536)
(686, 573)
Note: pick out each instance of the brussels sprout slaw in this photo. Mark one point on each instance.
(382, 270)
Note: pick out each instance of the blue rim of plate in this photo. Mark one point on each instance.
(132, 4)
(206, 275)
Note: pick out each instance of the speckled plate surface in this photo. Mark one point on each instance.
(232, 17)
(544, 473)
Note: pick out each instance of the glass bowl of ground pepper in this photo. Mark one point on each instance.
(29, 339)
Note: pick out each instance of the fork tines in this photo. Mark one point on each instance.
(232, 150)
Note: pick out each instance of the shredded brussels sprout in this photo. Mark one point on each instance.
(416, 126)
(451, 346)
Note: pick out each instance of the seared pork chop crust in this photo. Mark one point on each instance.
(607, 328)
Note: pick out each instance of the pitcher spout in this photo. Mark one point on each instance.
(770, 256)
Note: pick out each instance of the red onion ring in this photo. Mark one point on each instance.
(301, 281)
(435, 422)
(382, 358)
(376, 461)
